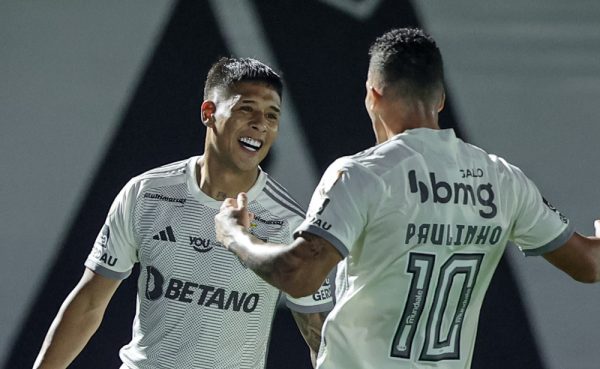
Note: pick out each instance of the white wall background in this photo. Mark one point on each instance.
(525, 78)
(66, 70)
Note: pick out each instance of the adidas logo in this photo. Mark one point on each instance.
(166, 235)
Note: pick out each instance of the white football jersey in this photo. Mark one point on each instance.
(423, 220)
(197, 305)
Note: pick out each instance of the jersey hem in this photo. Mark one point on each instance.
(317, 231)
(560, 240)
(105, 272)
(309, 309)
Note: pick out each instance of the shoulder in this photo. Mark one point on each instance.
(356, 170)
(171, 174)
(380, 158)
(167, 171)
(278, 201)
(505, 170)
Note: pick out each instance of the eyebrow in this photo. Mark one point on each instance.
(250, 101)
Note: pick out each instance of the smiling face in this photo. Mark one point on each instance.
(242, 122)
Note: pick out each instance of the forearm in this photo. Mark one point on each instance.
(70, 331)
(579, 257)
(298, 269)
(310, 326)
(589, 271)
(76, 321)
(275, 263)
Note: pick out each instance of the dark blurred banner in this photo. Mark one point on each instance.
(321, 47)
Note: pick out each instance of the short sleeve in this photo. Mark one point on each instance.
(538, 227)
(320, 301)
(341, 203)
(115, 250)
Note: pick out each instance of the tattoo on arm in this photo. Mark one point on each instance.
(310, 325)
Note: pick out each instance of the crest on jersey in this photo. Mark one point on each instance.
(329, 180)
(103, 237)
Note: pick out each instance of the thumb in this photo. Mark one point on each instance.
(242, 200)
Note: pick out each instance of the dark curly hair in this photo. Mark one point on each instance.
(228, 71)
(408, 60)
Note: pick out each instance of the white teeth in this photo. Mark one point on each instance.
(250, 143)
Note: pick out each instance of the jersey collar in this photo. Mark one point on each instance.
(206, 200)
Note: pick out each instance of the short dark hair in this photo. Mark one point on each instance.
(409, 60)
(228, 71)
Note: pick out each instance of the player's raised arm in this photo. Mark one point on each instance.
(579, 257)
(77, 320)
(298, 269)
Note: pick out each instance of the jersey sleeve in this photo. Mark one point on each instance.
(320, 301)
(341, 204)
(115, 250)
(538, 227)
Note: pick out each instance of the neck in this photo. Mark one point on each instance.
(410, 116)
(220, 181)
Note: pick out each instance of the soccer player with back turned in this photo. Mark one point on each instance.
(419, 221)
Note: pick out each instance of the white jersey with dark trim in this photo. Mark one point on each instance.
(423, 220)
(197, 305)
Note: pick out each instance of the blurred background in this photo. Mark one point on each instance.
(93, 93)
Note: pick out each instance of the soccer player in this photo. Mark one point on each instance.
(419, 221)
(197, 305)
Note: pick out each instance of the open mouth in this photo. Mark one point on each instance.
(250, 143)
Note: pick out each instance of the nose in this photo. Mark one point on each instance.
(259, 123)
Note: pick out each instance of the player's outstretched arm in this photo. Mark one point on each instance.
(298, 269)
(310, 326)
(579, 257)
(77, 320)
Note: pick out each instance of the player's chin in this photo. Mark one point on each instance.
(251, 159)
(250, 163)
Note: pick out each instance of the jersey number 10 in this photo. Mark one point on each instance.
(457, 277)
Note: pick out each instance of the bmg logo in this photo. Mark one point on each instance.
(442, 193)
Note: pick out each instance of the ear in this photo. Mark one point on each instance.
(375, 95)
(207, 112)
(442, 101)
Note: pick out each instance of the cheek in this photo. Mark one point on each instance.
(272, 136)
(227, 126)
(273, 129)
